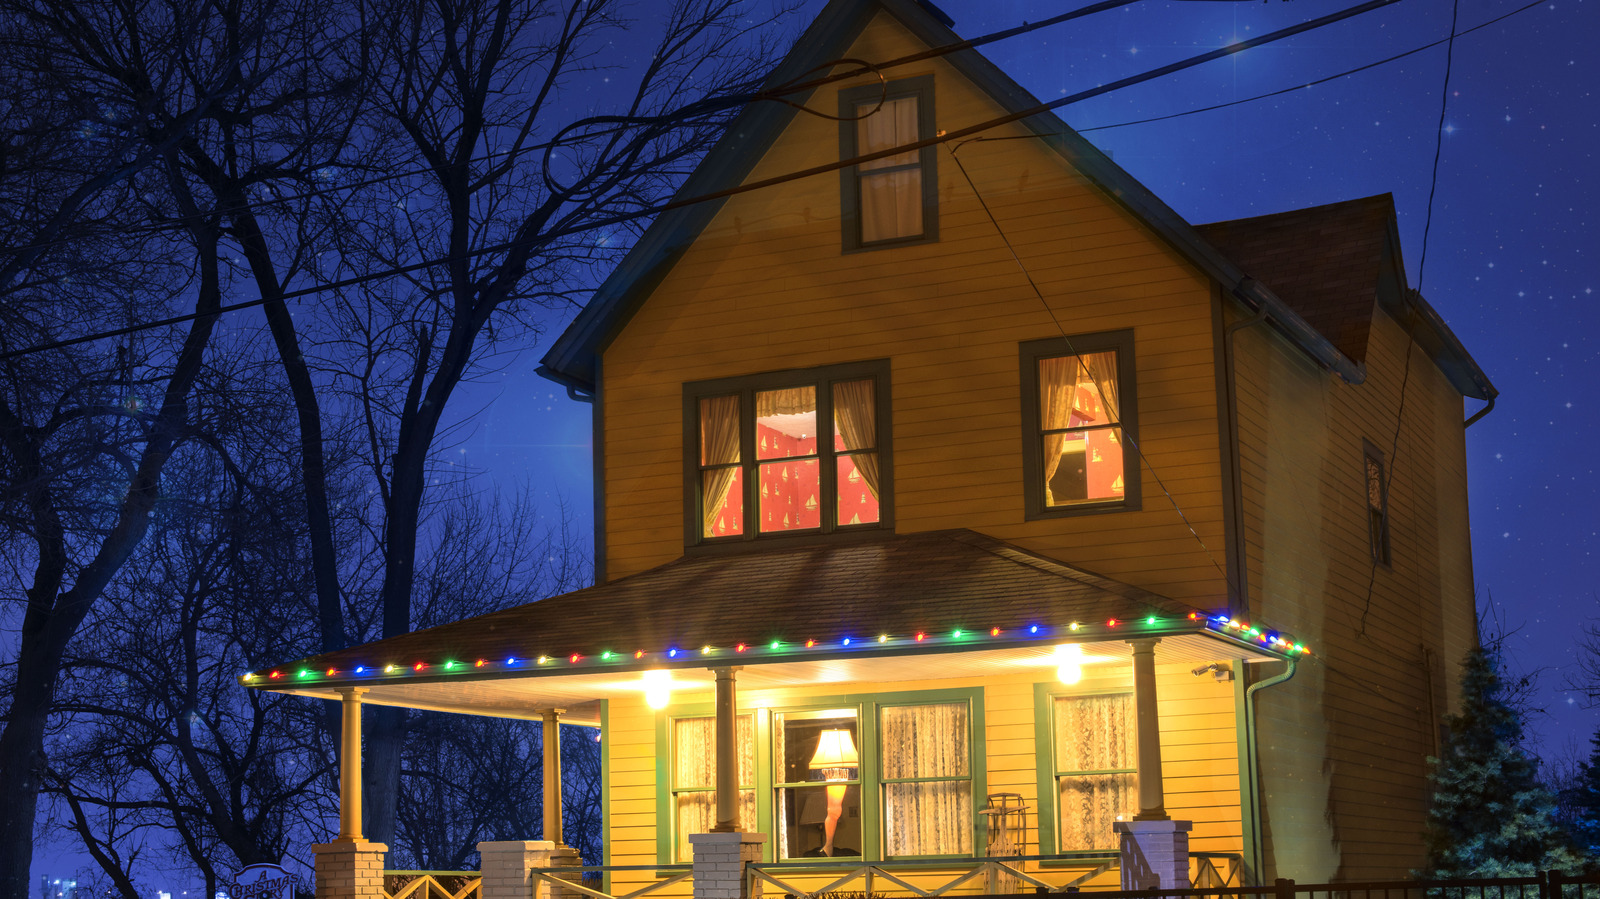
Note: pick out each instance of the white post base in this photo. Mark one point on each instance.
(719, 860)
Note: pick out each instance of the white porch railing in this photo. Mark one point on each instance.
(432, 884)
(571, 882)
(982, 876)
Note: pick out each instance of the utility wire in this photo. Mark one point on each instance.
(1289, 90)
(1411, 337)
(1050, 311)
(775, 94)
(678, 203)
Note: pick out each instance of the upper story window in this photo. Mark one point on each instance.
(1377, 503)
(1079, 424)
(893, 200)
(788, 453)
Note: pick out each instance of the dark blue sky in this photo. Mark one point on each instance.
(1510, 257)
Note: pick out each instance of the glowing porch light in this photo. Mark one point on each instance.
(1069, 663)
(657, 688)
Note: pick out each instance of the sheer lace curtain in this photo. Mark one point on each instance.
(929, 817)
(719, 445)
(1093, 733)
(890, 188)
(694, 771)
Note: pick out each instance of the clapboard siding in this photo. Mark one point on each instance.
(765, 287)
(1197, 739)
(1363, 705)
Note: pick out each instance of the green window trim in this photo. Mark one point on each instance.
(866, 706)
(920, 87)
(1044, 695)
(1031, 354)
(745, 387)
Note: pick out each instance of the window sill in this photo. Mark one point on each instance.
(738, 545)
(1129, 504)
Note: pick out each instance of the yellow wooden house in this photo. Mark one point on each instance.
(965, 502)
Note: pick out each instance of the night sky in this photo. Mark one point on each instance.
(1510, 258)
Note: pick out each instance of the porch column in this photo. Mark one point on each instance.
(552, 776)
(350, 764)
(350, 867)
(1154, 848)
(1152, 802)
(727, 753)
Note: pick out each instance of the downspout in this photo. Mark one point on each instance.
(1249, 786)
(1253, 764)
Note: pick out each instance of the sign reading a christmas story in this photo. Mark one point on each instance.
(264, 881)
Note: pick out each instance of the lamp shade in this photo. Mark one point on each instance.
(835, 749)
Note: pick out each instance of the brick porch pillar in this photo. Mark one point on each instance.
(1154, 854)
(719, 860)
(507, 867)
(349, 869)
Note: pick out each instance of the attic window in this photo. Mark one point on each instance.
(892, 200)
(800, 452)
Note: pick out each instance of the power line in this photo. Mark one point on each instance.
(1137, 449)
(623, 218)
(775, 94)
(1324, 80)
(1411, 337)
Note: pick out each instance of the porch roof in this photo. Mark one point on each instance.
(923, 594)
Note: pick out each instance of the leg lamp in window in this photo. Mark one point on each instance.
(835, 757)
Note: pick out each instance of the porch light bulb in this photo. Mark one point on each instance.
(1069, 663)
(657, 688)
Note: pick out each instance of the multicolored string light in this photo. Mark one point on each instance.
(1242, 631)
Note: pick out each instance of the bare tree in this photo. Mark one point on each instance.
(106, 227)
(472, 103)
(160, 755)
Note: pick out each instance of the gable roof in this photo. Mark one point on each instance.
(934, 583)
(574, 358)
(1334, 265)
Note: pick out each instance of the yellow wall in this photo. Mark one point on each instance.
(1362, 704)
(1197, 740)
(766, 287)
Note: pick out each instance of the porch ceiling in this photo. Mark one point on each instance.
(920, 606)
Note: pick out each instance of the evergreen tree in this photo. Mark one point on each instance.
(1490, 817)
(1582, 800)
